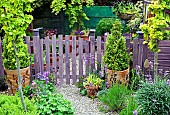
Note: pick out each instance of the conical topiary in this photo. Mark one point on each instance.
(115, 57)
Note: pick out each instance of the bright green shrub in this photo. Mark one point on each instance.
(115, 97)
(11, 105)
(154, 98)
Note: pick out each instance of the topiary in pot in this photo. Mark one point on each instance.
(115, 57)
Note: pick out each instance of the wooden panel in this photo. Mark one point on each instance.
(80, 57)
(160, 56)
(1, 63)
(99, 53)
(145, 56)
(163, 50)
(87, 56)
(135, 52)
(128, 45)
(67, 61)
(47, 46)
(140, 53)
(92, 52)
(164, 43)
(74, 77)
(61, 58)
(36, 54)
(41, 56)
(54, 57)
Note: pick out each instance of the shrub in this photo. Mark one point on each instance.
(115, 97)
(115, 56)
(154, 98)
(55, 104)
(11, 105)
(131, 106)
(104, 25)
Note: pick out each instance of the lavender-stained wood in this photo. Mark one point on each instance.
(135, 52)
(164, 43)
(47, 46)
(74, 77)
(54, 57)
(92, 51)
(99, 54)
(1, 63)
(29, 51)
(67, 61)
(61, 58)
(145, 55)
(140, 53)
(41, 56)
(128, 45)
(87, 56)
(36, 54)
(80, 57)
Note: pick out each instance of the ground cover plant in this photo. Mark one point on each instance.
(44, 92)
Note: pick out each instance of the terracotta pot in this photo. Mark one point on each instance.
(92, 91)
(118, 76)
(12, 78)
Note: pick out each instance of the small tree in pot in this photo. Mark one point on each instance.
(115, 57)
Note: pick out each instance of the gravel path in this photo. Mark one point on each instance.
(82, 104)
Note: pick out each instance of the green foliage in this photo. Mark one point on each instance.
(74, 10)
(153, 32)
(154, 98)
(131, 106)
(15, 19)
(134, 80)
(93, 80)
(104, 25)
(124, 8)
(55, 104)
(115, 56)
(115, 97)
(11, 105)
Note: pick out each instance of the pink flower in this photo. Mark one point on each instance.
(31, 95)
(33, 84)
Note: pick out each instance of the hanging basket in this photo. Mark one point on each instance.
(125, 16)
(12, 78)
(118, 76)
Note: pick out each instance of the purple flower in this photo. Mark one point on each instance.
(168, 82)
(77, 32)
(58, 83)
(105, 68)
(138, 69)
(47, 80)
(166, 73)
(91, 85)
(81, 33)
(160, 71)
(133, 95)
(101, 74)
(135, 112)
(107, 85)
(151, 64)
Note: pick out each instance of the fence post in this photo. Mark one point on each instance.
(61, 58)
(92, 51)
(54, 57)
(99, 53)
(74, 77)
(1, 63)
(47, 46)
(80, 57)
(36, 54)
(67, 58)
(135, 52)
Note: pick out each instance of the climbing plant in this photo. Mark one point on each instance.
(153, 29)
(74, 10)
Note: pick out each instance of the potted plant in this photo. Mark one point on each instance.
(16, 58)
(124, 10)
(92, 84)
(115, 57)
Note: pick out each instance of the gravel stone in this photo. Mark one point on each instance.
(83, 105)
